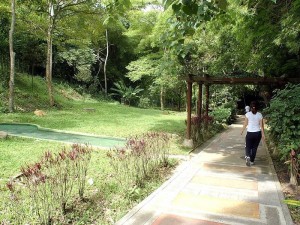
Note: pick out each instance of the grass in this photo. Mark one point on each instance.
(105, 119)
(107, 201)
(16, 152)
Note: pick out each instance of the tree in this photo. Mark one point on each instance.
(56, 9)
(12, 57)
(105, 62)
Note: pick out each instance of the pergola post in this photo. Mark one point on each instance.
(206, 103)
(189, 109)
(199, 108)
(188, 142)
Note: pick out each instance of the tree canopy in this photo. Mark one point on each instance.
(152, 44)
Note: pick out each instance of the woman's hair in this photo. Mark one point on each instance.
(253, 107)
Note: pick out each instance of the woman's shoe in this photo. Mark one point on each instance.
(248, 161)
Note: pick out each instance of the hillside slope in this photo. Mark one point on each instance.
(81, 113)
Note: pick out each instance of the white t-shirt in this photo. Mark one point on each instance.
(247, 108)
(253, 121)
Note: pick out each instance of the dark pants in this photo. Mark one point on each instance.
(252, 142)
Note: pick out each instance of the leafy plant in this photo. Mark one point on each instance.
(292, 202)
(142, 156)
(50, 183)
(127, 94)
(221, 115)
(283, 118)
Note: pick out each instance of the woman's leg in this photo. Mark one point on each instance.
(255, 142)
(249, 143)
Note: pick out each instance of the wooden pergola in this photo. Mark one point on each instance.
(207, 81)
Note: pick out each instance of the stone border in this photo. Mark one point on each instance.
(3, 135)
(62, 131)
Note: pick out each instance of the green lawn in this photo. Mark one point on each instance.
(16, 152)
(107, 119)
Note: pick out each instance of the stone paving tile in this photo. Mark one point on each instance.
(231, 169)
(225, 182)
(217, 205)
(222, 192)
(169, 219)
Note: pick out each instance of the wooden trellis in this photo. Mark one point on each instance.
(207, 81)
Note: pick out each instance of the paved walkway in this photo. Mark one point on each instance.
(215, 187)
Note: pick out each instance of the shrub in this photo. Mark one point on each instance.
(221, 115)
(283, 119)
(142, 156)
(49, 184)
(203, 128)
(144, 102)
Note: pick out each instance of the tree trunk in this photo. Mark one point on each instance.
(293, 176)
(12, 58)
(294, 167)
(49, 59)
(162, 105)
(105, 63)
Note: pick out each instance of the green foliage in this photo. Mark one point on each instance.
(290, 37)
(283, 118)
(195, 7)
(292, 202)
(284, 121)
(221, 115)
(294, 207)
(142, 157)
(203, 128)
(50, 185)
(128, 94)
(243, 37)
(144, 102)
(143, 67)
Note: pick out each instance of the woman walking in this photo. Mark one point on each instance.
(255, 131)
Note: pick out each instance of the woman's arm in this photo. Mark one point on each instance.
(262, 128)
(244, 125)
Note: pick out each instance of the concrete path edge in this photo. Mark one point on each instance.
(285, 209)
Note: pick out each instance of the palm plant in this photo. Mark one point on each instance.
(127, 94)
